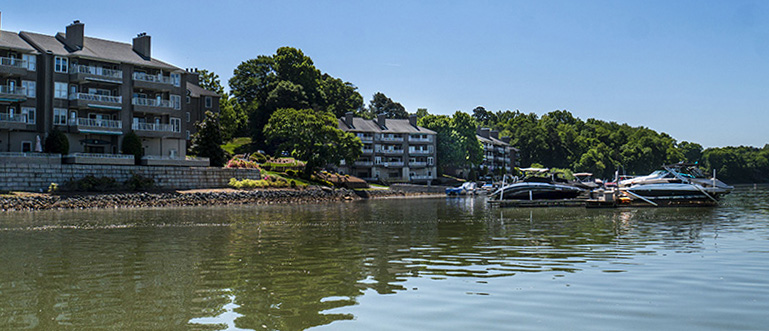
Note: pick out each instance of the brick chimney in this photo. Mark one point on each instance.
(413, 120)
(494, 134)
(381, 119)
(484, 132)
(142, 45)
(348, 119)
(74, 36)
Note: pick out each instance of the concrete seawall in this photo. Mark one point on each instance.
(32, 177)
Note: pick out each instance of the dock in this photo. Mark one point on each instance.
(538, 203)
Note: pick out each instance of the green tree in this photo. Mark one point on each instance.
(464, 127)
(421, 112)
(207, 140)
(232, 119)
(692, 152)
(339, 96)
(312, 136)
(56, 142)
(381, 104)
(132, 145)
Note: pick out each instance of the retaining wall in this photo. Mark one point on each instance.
(37, 177)
(419, 188)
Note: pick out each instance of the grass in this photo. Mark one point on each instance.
(236, 145)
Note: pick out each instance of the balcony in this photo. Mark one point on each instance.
(365, 138)
(155, 82)
(82, 73)
(392, 164)
(420, 151)
(155, 130)
(391, 151)
(390, 138)
(417, 164)
(13, 66)
(420, 140)
(368, 150)
(155, 106)
(87, 100)
(98, 126)
(13, 121)
(363, 163)
(12, 93)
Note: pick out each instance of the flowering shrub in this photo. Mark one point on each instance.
(241, 164)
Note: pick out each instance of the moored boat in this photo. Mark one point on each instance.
(538, 188)
(675, 184)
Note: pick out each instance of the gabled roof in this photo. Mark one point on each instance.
(94, 48)
(492, 140)
(393, 126)
(12, 40)
(197, 91)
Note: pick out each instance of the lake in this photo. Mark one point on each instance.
(393, 264)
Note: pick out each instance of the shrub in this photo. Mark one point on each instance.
(258, 157)
(53, 188)
(92, 183)
(139, 183)
(132, 145)
(57, 142)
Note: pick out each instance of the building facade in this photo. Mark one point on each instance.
(95, 91)
(498, 156)
(394, 150)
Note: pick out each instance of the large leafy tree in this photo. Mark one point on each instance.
(457, 145)
(312, 136)
(287, 79)
(233, 120)
(207, 140)
(380, 104)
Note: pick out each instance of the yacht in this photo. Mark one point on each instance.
(534, 187)
(675, 183)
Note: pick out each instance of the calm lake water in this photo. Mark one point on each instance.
(420, 264)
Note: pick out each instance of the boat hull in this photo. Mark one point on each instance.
(538, 191)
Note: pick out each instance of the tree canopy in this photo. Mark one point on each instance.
(207, 140)
(457, 145)
(312, 136)
(288, 79)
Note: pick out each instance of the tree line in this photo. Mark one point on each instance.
(289, 81)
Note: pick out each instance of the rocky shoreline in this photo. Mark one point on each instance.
(29, 202)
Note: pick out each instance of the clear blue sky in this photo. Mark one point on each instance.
(697, 70)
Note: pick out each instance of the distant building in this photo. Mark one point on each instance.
(394, 150)
(498, 156)
(95, 91)
(198, 101)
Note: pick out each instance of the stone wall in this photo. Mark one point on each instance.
(37, 177)
(419, 188)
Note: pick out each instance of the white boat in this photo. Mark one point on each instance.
(679, 182)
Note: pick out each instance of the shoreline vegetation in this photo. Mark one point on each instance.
(22, 201)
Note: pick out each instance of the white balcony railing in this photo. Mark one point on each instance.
(96, 71)
(417, 164)
(155, 127)
(13, 118)
(365, 138)
(368, 151)
(102, 156)
(391, 151)
(393, 164)
(419, 139)
(13, 90)
(30, 154)
(421, 177)
(96, 98)
(363, 163)
(152, 78)
(97, 123)
(420, 151)
(13, 62)
(151, 102)
(385, 138)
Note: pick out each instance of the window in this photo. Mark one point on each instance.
(59, 116)
(60, 64)
(30, 87)
(176, 101)
(430, 161)
(209, 102)
(60, 90)
(30, 113)
(188, 134)
(176, 79)
(31, 61)
(188, 99)
(26, 146)
(176, 124)
(188, 117)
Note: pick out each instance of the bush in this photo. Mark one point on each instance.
(258, 157)
(132, 145)
(92, 183)
(139, 183)
(57, 142)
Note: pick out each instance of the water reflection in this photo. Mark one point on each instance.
(291, 267)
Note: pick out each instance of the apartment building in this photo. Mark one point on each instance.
(95, 91)
(394, 150)
(498, 156)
